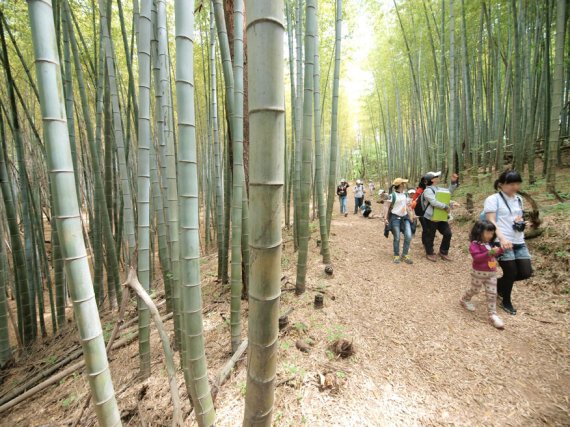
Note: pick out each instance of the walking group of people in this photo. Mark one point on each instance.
(359, 200)
(496, 238)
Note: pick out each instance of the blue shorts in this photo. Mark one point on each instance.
(519, 251)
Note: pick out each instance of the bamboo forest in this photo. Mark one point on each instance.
(284, 212)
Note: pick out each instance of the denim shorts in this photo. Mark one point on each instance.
(519, 251)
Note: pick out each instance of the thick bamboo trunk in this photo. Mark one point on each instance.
(143, 181)
(265, 31)
(67, 212)
(333, 151)
(193, 352)
(304, 232)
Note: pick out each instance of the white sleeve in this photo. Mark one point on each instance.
(491, 204)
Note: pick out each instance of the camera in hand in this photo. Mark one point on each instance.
(519, 226)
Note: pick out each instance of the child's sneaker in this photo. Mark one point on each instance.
(396, 259)
(407, 259)
(467, 305)
(496, 321)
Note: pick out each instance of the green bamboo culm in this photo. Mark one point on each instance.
(238, 178)
(160, 187)
(143, 182)
(129, 219)
(265, 32)
(170, 158)
(331, 195)
(193, 354)
(229, 98)
(105, 221)
(234, 107)
(304, 232)
(219, 205)
(18, 260)
(67, 214)
(325, 252)
(27, 323)
(557, 99)
(298, 121)
(5, 350)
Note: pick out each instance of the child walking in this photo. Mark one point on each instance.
(484, 269)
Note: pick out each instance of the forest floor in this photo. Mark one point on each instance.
(420, 358)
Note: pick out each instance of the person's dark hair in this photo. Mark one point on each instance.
(508, 177)
(423, 183)
(429, 181)
(391, 189)
(479, 228)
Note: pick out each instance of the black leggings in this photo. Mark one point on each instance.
(513, 271)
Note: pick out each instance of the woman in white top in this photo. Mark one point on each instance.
(399, 220)
(358, 195)
(505, 210)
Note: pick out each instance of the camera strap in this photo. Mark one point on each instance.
(507, 203)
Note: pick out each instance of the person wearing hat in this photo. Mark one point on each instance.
(341, 192)
(358, 195)
(399, 220)
(430, 227)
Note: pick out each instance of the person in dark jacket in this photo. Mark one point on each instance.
(341, 192)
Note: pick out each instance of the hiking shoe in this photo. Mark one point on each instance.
(407, 259)
(496, 321)
(467, 305)
(432, 258)
(445, 257)
(396, 259)
(508, 307)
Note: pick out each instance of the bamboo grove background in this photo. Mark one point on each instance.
(466, 86)
(161, 116)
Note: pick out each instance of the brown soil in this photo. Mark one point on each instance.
(420, 359)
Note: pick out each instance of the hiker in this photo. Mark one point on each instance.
(429, 225)
(384, 198)
(417, 193)
(399, 220)
(366, 209)
(371, 186)
(341, 192)
(484, 273)
(505, 210)
(417, 206)
(358, 195)
(413, 218)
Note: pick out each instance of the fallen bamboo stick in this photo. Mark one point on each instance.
(45, 373)
(118, 344)
(227, 368)
(134, 284)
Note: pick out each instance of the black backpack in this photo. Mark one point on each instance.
(420, 209)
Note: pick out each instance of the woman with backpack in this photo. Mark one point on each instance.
(429, 225)
(398, 220)
(341, 192)
(505, 210)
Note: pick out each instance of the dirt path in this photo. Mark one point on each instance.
(421, 359)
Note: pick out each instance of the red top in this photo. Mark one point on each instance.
(416, 196)
(484, 256)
